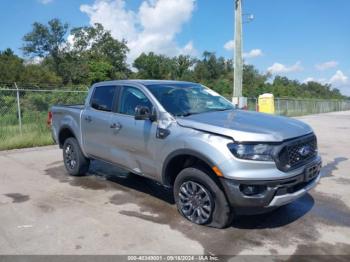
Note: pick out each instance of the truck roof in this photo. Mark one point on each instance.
(142, 82)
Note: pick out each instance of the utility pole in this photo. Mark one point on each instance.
(237, 98)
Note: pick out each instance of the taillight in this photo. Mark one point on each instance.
(49, 119)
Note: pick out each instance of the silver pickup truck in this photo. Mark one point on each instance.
(219, 161)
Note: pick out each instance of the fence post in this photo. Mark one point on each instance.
(19, 110)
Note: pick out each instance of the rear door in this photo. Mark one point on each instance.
(95, 122)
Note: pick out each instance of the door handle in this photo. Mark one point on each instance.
(88, 118)
(116, 126)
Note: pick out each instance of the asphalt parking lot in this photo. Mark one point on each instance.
(44, 211)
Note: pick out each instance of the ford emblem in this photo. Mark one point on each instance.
(304, 151)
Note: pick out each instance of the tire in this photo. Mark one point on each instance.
(75, 162)
(220, 214)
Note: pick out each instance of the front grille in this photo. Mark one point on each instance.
(296, 152)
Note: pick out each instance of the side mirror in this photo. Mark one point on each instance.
(144, 113)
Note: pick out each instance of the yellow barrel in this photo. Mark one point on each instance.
(266, 103)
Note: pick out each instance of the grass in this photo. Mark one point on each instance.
(34, 133)
(34, 108)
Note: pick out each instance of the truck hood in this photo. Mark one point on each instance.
(246, 126)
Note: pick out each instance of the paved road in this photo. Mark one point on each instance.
(43, 211)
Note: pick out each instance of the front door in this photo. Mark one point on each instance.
(133, 140)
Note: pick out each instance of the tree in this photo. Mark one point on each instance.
(152, 66)
(46, 40)
(181, 66)
(99, 71)
(40, 76)
(254, 83)
(11, 66)
(73, 69)
(14, 69)
(98, 44)
(93, 55)
(210, 67)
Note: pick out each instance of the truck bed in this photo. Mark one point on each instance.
(66, 115)
(78, 106)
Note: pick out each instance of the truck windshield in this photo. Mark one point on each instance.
(187, 99)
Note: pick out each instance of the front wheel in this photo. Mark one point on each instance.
(75, 162)
(200, 199)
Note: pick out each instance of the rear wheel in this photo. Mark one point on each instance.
(200, 199)
(75, 162)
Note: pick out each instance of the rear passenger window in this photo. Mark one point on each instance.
(102, 98)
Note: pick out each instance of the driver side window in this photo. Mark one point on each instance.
(132, 97)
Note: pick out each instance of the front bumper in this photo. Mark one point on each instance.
(288, 198)
(272, 193)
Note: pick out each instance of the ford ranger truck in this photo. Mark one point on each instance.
(219, 161)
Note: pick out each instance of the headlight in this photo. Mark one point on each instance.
(258, 152)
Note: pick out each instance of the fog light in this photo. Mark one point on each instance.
(251, 190)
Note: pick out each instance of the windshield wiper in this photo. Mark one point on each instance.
(187, 114)
(220, 109)
(196, 113)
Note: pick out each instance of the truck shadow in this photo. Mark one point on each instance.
(131, 181)
(154, 198)
(278, 218)
(156, 205)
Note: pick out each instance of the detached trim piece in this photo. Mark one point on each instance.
(288, 198)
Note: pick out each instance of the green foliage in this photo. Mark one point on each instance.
(99, 71)
(181, 66)
(33, 134)
(34, 108)
(93, 55)
(13, 69)
(46, 40)
(96, 43)
(254, 83)
(39, 74)
(11, 66)
(284, 87)
(152, 66)
(74, 69)
(210, 67)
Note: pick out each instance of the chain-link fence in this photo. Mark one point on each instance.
(23, 112)
(298, 107)
(252, 104)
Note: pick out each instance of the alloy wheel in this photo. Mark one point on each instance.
(70, 156)
(195, 202)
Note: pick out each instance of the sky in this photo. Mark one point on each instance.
(303, 40)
